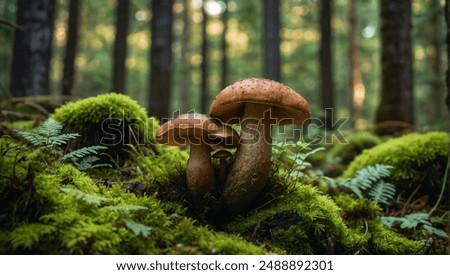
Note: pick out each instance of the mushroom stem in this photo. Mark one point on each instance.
(200, 171)
(250, 170)
(222, 171)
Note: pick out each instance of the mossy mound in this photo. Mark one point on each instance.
(414, 157)
(341, 154)
(113, 120)
(308, 222)
(408, 154)
(70, 214)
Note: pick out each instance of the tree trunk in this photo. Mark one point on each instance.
(204, 66)
(395, 109)
(185, 82)
(326, 62)
(357, 89)
(447, 20)
(32, 47)
(272, 57)
(71, 48)
(435, 100)
(224, 46)
(120, 45)
(161, 59)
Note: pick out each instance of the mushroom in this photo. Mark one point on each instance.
(257, 104)
(199, 132)
(222, 155)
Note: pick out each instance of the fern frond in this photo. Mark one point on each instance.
(411, 221)
(383, 192)
(61, 139)
(80, 195)
(439, 232)
(353, 185)
(50, 128)
(48, 135)
(88, 163)
(83, 152)
(32, 138)
(367, 178)
(137, 228)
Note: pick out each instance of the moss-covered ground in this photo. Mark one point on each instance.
(142, 206)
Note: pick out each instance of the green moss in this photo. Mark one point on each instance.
(308, 222)
(303, 222)
(383, 239)
(409, 155)
(114, 120)
(355, 209)
(75, 216)
(96, 109)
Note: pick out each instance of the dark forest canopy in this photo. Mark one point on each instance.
(88, 53)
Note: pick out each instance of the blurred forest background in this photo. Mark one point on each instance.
(178, 54)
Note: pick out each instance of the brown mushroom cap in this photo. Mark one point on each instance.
(287, 106)
(195, 129)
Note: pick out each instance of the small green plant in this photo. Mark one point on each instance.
(414, 220)
(370, 182)
(49, 139)
(290, 158)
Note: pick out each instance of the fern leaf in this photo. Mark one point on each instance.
(50, 128)
(88, 163)
(383, 192)
(83, 152)
(412, 220)
(138, 228)
(61, 139)
(389, 221)
(48, 135)
(33, 138)
(436, 231)
(80, 195)
(366, 178)
(353, 186)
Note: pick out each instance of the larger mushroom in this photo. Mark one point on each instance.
(199, 132)
(257, 104)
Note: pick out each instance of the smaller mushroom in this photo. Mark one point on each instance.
(222, 155)
(199, 132)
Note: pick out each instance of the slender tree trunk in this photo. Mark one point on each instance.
(447, 20)
(120, 45)
(224, 46)
(357, 89)
(161, 59)
(32, 48)
(185, 82)
(396, 98)
(326, 62)
(71, 48)
(434, 102)
(204, 66)
(272, 57)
